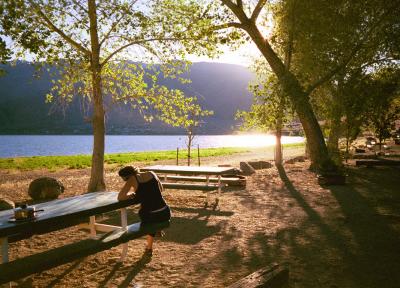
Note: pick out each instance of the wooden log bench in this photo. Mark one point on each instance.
(272, 276)
(377, 162)
(23, 267)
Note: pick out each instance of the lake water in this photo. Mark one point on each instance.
(41, 145)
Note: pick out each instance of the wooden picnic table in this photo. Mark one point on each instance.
(60, 214)
(190, 170)
(207, 171)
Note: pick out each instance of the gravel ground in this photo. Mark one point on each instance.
(334, 236)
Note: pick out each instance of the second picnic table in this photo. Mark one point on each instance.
(165, 172)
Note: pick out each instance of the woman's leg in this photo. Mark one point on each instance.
(150, 240)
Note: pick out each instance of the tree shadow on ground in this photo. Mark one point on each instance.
(189, 231)
(377, 262)
(366, 257)
(27, 282)
(353, 247)
(130, 272)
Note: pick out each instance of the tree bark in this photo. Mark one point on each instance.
(96, 182)
(278, 145)
(278, 148)
(334, 134)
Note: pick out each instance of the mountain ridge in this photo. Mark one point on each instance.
(219, 87)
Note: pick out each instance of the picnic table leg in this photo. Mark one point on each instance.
(92, 223)
(4, 250)
(124, 224)
(219, 185)
(207, 183)
(219, 190)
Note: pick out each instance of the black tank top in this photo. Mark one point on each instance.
(148, 194)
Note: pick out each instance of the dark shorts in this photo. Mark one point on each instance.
(149, 217)
(161, 216)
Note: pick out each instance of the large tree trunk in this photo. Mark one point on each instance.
(278, 148)
(319, 156)
(334, 135)
(96, 182)
(278, 144)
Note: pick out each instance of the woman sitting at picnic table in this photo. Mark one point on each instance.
(147, 190)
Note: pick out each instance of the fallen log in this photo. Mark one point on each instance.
(272, 276)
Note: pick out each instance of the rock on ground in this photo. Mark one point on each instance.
(45, 188)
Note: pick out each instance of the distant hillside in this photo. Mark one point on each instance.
(219, 87)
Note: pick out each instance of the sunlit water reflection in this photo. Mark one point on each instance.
(38, 145)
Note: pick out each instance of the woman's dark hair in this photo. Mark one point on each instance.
(128, 171)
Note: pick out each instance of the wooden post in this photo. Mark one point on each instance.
(177, 156)
(198, 153)
(207, 183)
(92, 223)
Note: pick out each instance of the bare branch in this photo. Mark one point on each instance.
(257, 10)
(55, 29)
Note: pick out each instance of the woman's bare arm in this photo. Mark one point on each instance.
(124, 192)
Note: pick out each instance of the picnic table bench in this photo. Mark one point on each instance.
(230, 181)
(63, 213)
(191, 173)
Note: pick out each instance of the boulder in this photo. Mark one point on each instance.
(45, 188)
(6, 204)
(260, 164)
(246, 169)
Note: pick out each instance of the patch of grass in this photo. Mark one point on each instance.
(85, 161)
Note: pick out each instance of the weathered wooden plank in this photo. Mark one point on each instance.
(272, 276)
(36, 263)
(188, 186)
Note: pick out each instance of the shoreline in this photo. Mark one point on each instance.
(84, 161)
